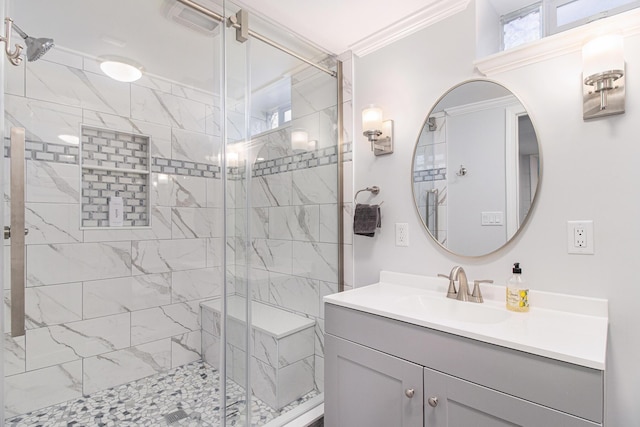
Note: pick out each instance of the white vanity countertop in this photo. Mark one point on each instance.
(563, 327)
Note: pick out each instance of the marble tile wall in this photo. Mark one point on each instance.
(108, 306)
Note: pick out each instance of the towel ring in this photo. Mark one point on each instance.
(374, 190)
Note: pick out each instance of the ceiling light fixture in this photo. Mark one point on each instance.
(120, 69)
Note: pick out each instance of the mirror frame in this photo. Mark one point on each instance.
(540, 167)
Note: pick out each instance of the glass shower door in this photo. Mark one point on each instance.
(282, 210)
(235, 344)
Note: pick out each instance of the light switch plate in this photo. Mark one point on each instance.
(492, 218)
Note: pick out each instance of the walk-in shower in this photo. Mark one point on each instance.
(205, 306)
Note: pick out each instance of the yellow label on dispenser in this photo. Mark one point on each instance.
(518, 299)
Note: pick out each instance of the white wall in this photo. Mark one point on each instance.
(590, 171)
(477, 141)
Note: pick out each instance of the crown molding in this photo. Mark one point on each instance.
(489, 104)
(628, 24)
(423, 18)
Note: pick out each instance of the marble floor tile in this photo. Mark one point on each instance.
(193, 388)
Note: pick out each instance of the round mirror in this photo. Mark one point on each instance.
(476, 168)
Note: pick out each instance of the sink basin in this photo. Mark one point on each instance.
(563, 327)
(450, 309)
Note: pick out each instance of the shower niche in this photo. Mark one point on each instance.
(114, 164)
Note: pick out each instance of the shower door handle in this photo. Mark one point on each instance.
(7, 232)
(432, 208)
(17, 167)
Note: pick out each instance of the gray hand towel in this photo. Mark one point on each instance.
(366, 219)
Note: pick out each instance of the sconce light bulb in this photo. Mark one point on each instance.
(372, 119)
(299, 140)
(372, 123)
(603, 55)
(232, 159)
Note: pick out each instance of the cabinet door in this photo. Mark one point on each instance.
(464, 404)
(364, 387)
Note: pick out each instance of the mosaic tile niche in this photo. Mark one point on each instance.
(114, 164)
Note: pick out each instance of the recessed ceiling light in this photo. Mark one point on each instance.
(121, 70)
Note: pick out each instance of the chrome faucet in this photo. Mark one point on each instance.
(462, 294)
(453, 276)
(457, 273)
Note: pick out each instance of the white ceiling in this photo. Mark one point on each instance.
(338, 25)
(142, 31)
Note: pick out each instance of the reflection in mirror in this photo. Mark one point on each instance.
(476, 168)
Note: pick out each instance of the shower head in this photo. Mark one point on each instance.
(35, 47)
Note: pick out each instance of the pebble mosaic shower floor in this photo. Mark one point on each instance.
(190, 391)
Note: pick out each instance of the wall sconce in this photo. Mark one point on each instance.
(378, 132)
(603, 76)
(233, 158)
(234, 155)
(300, 141)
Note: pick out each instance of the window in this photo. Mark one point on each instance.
(279, 117)
(566, 14)
(273, 120)
(521, 26)
(548, 17)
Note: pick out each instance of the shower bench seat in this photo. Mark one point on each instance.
(282, 363)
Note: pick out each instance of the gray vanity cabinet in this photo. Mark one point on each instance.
(461, 403)
(381, 372)
(371, 388)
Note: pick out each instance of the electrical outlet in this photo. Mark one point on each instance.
(402, 234)
(580, 237)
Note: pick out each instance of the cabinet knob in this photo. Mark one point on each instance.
(409, 393)
(433, 401)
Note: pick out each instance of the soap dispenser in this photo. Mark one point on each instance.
(517, 291)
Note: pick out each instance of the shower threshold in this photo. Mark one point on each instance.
(156, 401)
